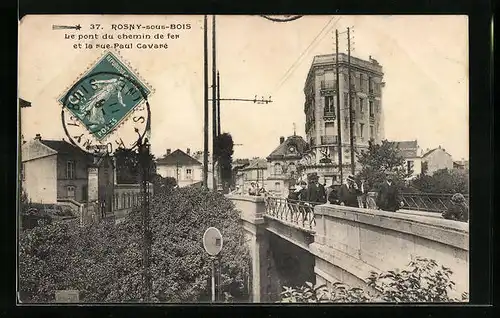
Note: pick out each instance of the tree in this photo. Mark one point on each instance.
(104, 261)
(127, 166)
(223, 146)
(380, 159)
(160, 183)
(443, 181)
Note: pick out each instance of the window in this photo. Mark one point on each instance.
(371, 132)
(71, 192)
(329, 128)
(409, 166)
(360, 81)
(361, 128)
(124, 201)
(189, 174)
(361, 104)
(277, 187)
(85, 194)
(128, 200)
(370, 84)
(346, 100)
(328, 104)
(292, 168)
(277, 169)
(23, 171)
(70, 170)
(371, 109)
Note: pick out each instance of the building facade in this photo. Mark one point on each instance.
(321, 110)
(181, 166)
(256, 172)
(437, 159)
(411, 152)
(55, 170)
(283, 164)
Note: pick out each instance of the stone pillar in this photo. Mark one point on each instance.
(252, 208)
(93, 194)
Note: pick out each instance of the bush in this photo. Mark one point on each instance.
(104, 261)
(443, 181)
(423, 281)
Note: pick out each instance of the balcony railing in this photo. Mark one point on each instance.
(329, 114)
(328, 85)
(328, 140)
(291, 211)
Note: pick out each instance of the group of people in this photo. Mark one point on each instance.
(351, 193)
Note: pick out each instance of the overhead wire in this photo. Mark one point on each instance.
(292, 68)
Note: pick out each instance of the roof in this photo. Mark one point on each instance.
(283, 149)
(64, 147)
(432, 150)
(178, 157)
(257, 164)
(408, 149)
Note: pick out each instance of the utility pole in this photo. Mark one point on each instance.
(205, 108)
(337, 84)
(218, 104)
(351, 113)
(145, 164)
(214, 102)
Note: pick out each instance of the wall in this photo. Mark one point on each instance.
(79, 181)
(182, 177)
(40, 181)
(438, 159)
(417, 165)
(350, 242)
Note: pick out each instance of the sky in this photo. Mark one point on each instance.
(424, 60)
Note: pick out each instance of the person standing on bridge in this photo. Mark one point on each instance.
(316, 193)
(458, 209)
(348, 193)
(388, 198)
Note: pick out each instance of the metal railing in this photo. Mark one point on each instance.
(327, 140)
(429, 202)
(292, 211)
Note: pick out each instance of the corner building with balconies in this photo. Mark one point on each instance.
(321, 110)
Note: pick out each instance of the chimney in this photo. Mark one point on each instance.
(169, 151)
(282, 140)
(38, 137)
(439, 146)
(188, 151)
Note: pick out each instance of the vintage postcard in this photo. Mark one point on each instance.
(243, 158)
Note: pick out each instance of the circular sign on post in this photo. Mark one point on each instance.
(212, 241)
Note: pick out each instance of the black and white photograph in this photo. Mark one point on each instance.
(222, 159)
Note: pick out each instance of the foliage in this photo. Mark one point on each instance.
(127, 166)
(223, 146)
(104, 261)
(379, 160)
(338, 293)
(160, 183)
(423, 281)
(443, 181)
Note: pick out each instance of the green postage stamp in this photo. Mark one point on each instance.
(105, 96)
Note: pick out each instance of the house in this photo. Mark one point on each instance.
(55, 171)
(256, 171)
(283, 162)
(236, 166)
(410, 151)
(436, 159)
(181, 166)
(461, 164)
